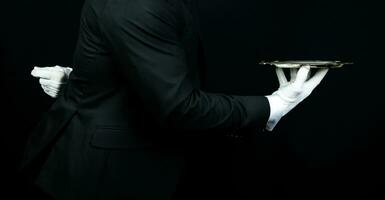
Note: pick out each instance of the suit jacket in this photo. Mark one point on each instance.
(134, 105)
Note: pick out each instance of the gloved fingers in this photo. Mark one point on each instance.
(293, 74)
(302, 75)
(48, 88)
(309, 74)
(45, 88)
(281, 76)
(317, 78)
(51, 93)
(52, 83)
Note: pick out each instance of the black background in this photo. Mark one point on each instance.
(332, 144)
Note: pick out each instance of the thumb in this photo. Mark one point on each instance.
(42, 72)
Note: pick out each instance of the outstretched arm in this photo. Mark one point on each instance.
(145, 39)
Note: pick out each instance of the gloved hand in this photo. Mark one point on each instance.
(52, 79)
(291, 93)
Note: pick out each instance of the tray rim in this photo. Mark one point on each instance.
(312, 63)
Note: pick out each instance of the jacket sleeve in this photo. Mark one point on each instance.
(145, 40)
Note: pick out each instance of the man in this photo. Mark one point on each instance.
(133, 107)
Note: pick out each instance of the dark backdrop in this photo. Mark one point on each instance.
(331, 144)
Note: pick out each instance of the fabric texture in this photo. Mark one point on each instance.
(134, 109)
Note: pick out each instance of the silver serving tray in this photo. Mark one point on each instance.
(312, 63)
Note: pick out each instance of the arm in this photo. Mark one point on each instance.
(147, 46)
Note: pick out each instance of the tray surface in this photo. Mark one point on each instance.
(312, 63)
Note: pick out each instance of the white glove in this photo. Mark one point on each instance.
(52, 79)
(291, 93)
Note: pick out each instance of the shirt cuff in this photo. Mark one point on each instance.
(275, 111)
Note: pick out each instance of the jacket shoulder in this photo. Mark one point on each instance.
(117, 10)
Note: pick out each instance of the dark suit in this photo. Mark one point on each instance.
(133, 107)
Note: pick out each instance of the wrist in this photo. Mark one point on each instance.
(277, 110)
